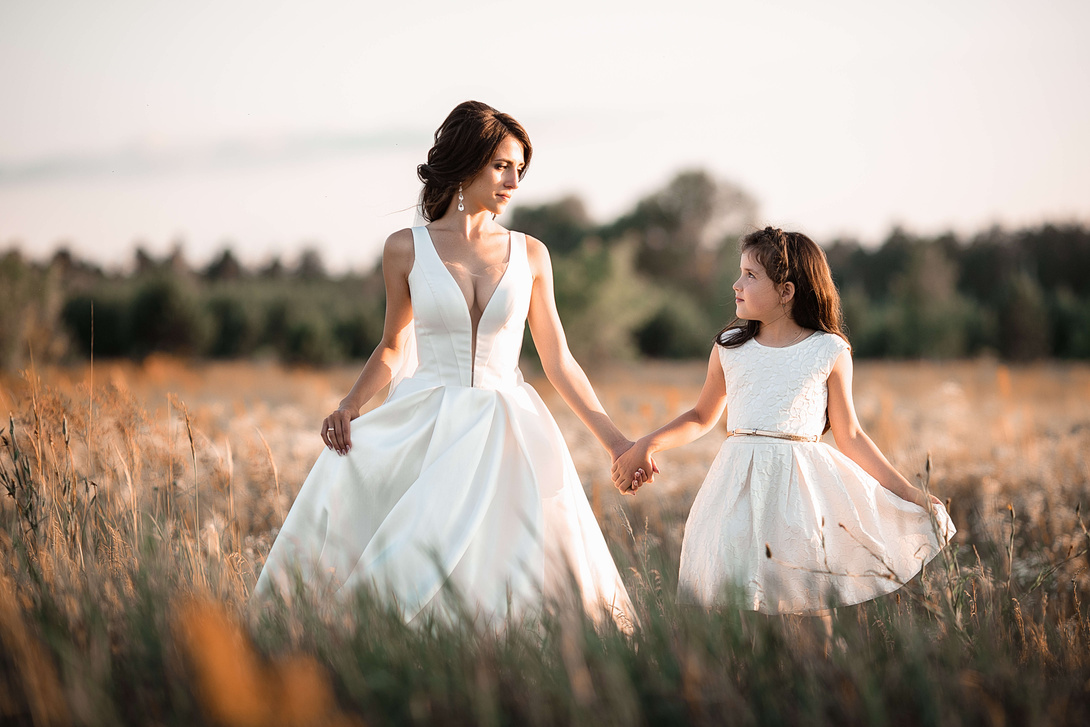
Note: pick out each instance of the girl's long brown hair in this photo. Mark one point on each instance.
(791, 257)
(464, 145)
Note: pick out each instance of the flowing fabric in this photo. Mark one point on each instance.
(796, 525)
(460, 483)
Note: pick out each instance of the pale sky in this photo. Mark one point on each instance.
(274, 125)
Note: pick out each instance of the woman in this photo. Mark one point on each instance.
(460, 483)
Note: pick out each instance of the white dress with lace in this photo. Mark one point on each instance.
(795, 526)
(460, 484)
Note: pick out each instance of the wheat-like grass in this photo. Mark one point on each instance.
(137, 507)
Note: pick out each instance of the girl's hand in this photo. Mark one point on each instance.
(633, 468)
(642, 476)
(615, 453)
(336, 430)
(619, 449)
(918, 497)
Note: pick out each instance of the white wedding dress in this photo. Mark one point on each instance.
(459, 491)
(793, 524)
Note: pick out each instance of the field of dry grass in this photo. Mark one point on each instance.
(139, 502)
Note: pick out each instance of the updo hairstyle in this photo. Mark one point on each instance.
(464, 144)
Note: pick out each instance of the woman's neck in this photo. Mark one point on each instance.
(473, 226)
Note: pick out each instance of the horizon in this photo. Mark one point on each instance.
(161, 254)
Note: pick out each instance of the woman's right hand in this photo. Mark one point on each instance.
(336, 429)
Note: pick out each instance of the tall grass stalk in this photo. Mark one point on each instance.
(111, 611)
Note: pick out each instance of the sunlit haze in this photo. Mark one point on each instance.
(271, 127)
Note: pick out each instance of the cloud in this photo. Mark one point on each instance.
(145, 159)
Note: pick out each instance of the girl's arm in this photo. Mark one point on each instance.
(852, 441)
(690, 425)
(397, 262)
(562, 370)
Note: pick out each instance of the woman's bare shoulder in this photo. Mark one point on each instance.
(537, 253)
(399, 250)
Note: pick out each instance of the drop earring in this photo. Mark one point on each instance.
(461, 207)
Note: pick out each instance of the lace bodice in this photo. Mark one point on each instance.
(780, 389)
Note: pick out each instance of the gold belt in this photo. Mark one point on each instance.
(773, 435)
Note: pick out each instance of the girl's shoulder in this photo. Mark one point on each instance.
(831, 341)
(828, 348)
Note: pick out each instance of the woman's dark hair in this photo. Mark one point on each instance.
(791, 257)
(464, 145)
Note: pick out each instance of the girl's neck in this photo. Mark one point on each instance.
(780, 332)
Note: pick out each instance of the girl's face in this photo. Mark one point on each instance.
(756, 297)
(493, 188)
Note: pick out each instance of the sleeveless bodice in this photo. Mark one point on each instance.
(444, 330)
(780, 389)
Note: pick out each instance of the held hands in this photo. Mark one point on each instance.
(336, 432)
(633, 468)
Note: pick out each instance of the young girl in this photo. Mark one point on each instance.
(792, 522)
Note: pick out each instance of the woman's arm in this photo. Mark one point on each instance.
(560, 367)
(397, 262)
(852, 441)
(690, 425)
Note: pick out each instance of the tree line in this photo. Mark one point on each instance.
(654, 282)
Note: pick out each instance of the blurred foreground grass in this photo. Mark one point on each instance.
(139, 502)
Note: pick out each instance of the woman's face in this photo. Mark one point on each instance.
(757, 298)
(492, 189)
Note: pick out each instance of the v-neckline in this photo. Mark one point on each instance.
(473, 329)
